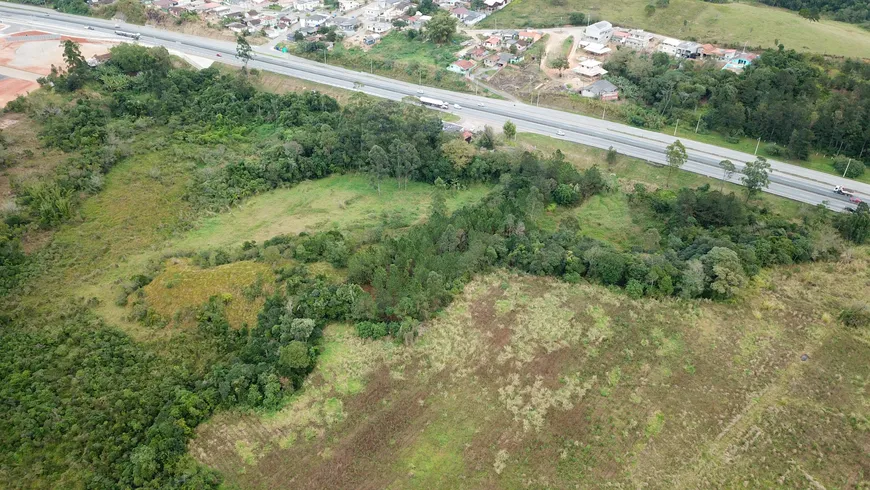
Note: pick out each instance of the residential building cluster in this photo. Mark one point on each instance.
(601, 38)
(500, 49)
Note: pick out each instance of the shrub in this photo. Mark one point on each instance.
(856, 316)
(851, 167)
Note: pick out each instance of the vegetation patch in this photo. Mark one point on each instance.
(181, 288)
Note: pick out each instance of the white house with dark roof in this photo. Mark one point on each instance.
(601, 89)
(600, 32)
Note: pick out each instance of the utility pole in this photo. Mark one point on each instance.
(372, 66)
(676, 126)
(847, 168)
(604, 114)
(757, 145)
(698, 126)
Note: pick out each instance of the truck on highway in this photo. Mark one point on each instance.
(439, 104)
(132, 35)
(843, 191)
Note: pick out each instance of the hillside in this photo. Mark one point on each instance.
(732, 23)
(207, 285)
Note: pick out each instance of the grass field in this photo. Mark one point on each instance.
(396, 46)
(180, 288)
(531, 383)
(732, 23)
(343, 202)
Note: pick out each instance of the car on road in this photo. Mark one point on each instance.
(560, 132)
(90, 28)
(457, 106)
(480, 104)
(420, 91)
(218, 55)
(856, 200)
(849, 210)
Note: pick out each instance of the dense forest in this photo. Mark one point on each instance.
(795, 101)
(86, 405)
(854, 11)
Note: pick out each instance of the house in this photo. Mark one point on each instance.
(344, 24)
(371, 39)
(313, 20)
(600, 32)
(726, 55)
(164, 4)
(473, 18)
(638, 39)
(492, 5)
(345, 5)
(669, 46)
(254, 24)
(99, 59)
(508, 34)
(449, 127)
(530, 36)
(302, 5)
(596, 49)
(463, 67)
(491, 60)
(478, 53)
(177, 11)
(460, 13)
(739, 62)
(505, 59)
(601, 89)
(380, 27)
(522, 45)
(492, 43)
(688, 49)
(590, 68)
(252, 14)
(467, 135)
(619, 36)
(237, 27)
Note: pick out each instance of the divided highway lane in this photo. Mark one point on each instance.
(787, 180)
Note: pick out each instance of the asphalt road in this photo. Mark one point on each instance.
(787, 180)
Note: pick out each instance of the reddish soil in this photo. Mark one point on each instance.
(11, 88)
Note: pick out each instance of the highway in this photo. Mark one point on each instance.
(787, 180)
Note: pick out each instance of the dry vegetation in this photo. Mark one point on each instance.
(531, 383)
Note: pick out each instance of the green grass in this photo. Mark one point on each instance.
(605, 217)
(343, 202)
(567, 44)
(397, 47)
(734, 23)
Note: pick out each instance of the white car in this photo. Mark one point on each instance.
(420, 91)
(480, 104)
(560, 132)
(457, 106)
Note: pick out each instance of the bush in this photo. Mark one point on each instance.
(851, 167)
(634, 288)
(857, 316)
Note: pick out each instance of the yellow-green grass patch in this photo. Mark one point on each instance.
(180, 288)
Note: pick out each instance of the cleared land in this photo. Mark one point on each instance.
(732, 23)
(531, 383)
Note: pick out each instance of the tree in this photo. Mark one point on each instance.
(676, 156)
(811, 14)
(724, 271)
(756, 176)
(72, 55)
(856, 226)
(294, 356)
(611, 155)
(799, 143)
(459, 153)
(559, 63)
(649, 10)
(243, 50)
(577, 18)
(441, 28)
(298, 36)
(487, 138)
(728, 170)
(379, 166)
(510, 130)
